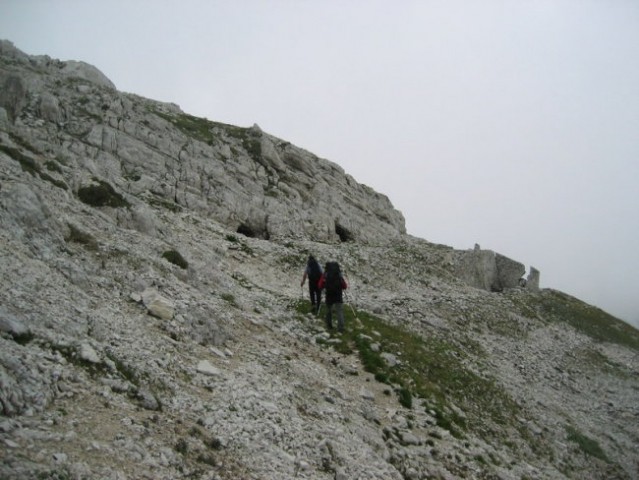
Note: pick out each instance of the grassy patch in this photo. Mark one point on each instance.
(253, 147)
(205, 131)
(198, 128)
(556, 306)
(243, 246)
(430, 369)
(587, 445)
(229, 298)
(176, 258)
(61, 473)
(293, 260)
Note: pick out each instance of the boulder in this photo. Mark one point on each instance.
(157, 305)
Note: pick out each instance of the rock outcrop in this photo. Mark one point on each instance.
(152, 323)
(151, 152)
(492, 271)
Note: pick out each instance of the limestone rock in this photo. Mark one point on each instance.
(238, 380)
(12, 324)
(88, 354)
(488, 270)
(206, 368)
(532, 281)
(88, 72)
(271, 189)
(157, 305)
(50, 108)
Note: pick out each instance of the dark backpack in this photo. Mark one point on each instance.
(314, 271)
(332, 278)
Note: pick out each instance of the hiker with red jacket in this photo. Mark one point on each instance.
(333, 282)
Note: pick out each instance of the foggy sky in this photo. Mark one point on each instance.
(511, 124)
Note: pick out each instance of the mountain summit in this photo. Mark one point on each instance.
(152, 324)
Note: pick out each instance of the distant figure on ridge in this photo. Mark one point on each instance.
(313, 271)
(334, 284)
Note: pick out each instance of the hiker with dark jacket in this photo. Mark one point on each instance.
(313, 271)
(333, 282)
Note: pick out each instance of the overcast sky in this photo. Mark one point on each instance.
(511, 124)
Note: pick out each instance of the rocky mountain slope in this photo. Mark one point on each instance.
(152, 324)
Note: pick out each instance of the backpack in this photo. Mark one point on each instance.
(314, 270)
(332, 278)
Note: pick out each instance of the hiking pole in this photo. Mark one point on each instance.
(352, 309)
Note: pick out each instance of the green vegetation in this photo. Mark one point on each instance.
(430, 369)
(78, 236)
(176, 258)
(230, 298)
(125, 371)
(61, 473)
(53, 166)
(101, 194)
(28, 164)
(71, 354)
(204, 130)
(591, 358)
(167, 204)
(586, 445)
(58, 183)
(198, 128)
(23, 338)
(253, 147)
(293, 259)
(558, 307)
(182, 446)
(405, 398)
(31, 166)
(243, 246)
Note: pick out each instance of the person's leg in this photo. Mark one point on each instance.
(315, 297)
(318, 299)
(340, 316)
(311, 292)
(329, 316)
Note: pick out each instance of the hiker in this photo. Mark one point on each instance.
(334, 284)
(313, 271)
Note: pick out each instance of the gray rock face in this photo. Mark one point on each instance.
(13, 95)
(532, 281)
(153, 153)
(119, 361)
(490, 271)
(85, 71)
(12, 324)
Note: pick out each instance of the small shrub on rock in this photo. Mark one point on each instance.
(78, 236)
(176, 258)
(101, 194)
